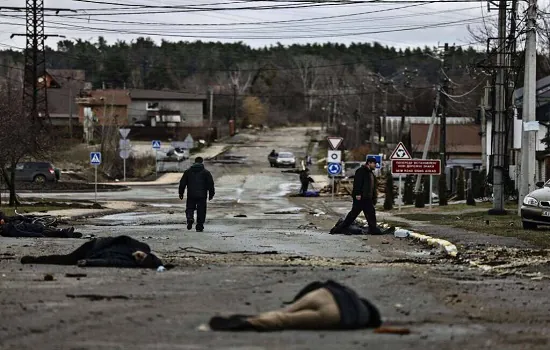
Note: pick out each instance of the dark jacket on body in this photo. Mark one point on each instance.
(198, 181)
(365, 184)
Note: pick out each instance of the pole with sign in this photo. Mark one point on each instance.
(95, 160)
(334, 160)
(333, 170)
(124, 147)
(400, 152)
(156, 146)
(428, 167)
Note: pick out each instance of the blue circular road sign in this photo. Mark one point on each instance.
(334, 168)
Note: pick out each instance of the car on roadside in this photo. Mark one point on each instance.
(535, 209)
(285, 159)
(39, 172)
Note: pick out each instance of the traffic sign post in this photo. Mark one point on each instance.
(417, 167)
(95, 160)
(334, 157)
(400, 152)
(334, 168)
(124, 145)
(156, 146)
(335, 142)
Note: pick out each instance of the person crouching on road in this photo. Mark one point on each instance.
(364, 197)
(200, 185)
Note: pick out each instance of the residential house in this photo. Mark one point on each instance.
(463, 147)
(104, 107)
(166, 108)
(542, 167)
(63, 86)
(393, 125)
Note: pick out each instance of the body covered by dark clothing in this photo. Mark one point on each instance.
(119, 251)
(23, 229)
(320, 305)
(198, 181)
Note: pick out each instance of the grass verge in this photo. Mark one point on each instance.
(499, 225)
(436, 209)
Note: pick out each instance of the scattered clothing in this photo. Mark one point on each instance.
(357, 229)
(119, 251)
(200, 185)
(311, 194)
(14, 228)
(319, 306)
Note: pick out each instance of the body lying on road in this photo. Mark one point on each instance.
(319, 305)
(119, 251)
(16, 227)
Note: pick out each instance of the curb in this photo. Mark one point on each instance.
(445, 246)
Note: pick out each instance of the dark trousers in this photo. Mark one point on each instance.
(367, 207)
(305, 185)
(198, 204)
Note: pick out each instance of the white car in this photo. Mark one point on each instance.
(285, 159)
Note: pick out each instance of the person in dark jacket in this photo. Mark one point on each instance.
(13, 227)
(305, 179)
(200, 186)
(119, 251)
(364, 195)
(319, 306)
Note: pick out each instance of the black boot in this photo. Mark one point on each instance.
(200, 227)
(190, 224)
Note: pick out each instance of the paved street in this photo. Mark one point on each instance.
(259, 248)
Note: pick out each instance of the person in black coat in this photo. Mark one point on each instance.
(364, 195)
(119, 251)
(200, 186)
(305, 180)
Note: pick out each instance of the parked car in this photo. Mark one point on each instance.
(285, 159)
(39, 172)
(535, 209)
(177, 153)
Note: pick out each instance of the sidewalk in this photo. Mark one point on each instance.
(110, 208)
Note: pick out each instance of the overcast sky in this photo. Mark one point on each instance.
(389, 24)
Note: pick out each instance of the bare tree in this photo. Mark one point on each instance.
(311, 70)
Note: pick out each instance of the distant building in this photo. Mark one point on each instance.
(166, 108)
(63, 86)
(105, 107)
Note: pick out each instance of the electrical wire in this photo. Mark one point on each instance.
(465, 94)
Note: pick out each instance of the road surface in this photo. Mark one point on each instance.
(259, 249)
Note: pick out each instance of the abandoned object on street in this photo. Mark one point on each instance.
(358, 229)
(320, 305)
(14, 227)
(119, 251)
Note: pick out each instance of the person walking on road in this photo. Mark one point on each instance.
(364, 197)
(200, 186)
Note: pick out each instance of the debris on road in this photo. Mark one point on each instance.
(240, 216)
(75, 275)
(97, 297)
(286, 211)
(48, 277)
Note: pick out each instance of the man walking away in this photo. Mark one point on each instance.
(200, 185)
(364, 196)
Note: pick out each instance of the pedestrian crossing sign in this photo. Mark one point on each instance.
(95, 158)
(156, 144)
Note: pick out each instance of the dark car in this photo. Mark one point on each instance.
(39, 172)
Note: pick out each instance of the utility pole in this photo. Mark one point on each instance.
(34, 91)
(443, 132)
(373, 123)
(483, 122)
(406, 104)
(528, 139)
(71, 112)
(235, 103)
(211, 107)
(385, 83)
(499, 117)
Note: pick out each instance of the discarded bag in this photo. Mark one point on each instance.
(318, 306)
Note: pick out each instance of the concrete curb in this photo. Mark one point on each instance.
(445, 246)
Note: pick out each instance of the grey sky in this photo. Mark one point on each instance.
(450, 18)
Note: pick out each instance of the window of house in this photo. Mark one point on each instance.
(153, 106)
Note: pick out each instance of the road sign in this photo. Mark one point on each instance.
(95, 158)
(335, 142)
(188, 143)
(334, 157)
(416, 166)
(334, 169)
(378, 158)
(124, 153)
(156, 144)
(400, 152)
(124, 144)
(124, 132)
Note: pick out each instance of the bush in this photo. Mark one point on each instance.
(390, 196)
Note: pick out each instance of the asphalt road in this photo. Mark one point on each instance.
(258, 250)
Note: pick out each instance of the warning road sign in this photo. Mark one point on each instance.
(400, 152)
(335, 142)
